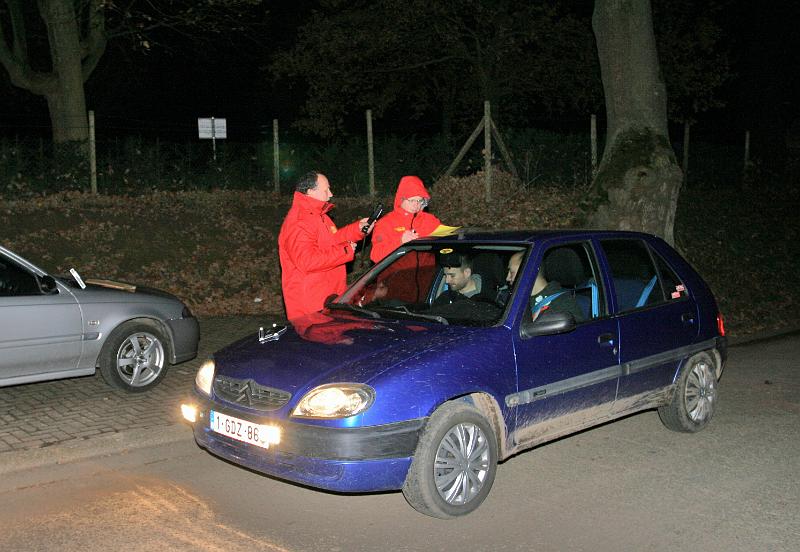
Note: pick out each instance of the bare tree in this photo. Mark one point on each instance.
(74, 51)
(638, 181)
(56, 61)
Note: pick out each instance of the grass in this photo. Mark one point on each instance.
(218, 250)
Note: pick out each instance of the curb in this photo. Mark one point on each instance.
(83, 449)
(763, 336)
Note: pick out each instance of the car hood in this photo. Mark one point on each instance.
(328, 347)
(100, 291)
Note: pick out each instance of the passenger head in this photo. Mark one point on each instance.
(458, 277)
(513, 267)
(316, 185)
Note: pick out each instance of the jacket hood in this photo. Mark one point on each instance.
(410, 186)
(329, 347)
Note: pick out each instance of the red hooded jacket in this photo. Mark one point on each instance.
(313, 254)
(388, 231)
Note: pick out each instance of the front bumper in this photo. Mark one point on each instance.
(185, 338)
(365, 459)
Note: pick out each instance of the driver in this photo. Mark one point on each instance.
(460, 277)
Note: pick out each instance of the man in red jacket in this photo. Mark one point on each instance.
(406, 222)
(313, 252)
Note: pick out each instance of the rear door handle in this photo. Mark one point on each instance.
(608, 340)
(687, 318)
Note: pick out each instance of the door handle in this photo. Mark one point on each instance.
(606, 339)
(687, 318)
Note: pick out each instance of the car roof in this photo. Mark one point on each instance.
(532, 235)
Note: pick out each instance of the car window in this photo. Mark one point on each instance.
(464, 284)
(673, 287)
(567, 281)
(637, 281)
(15, 280)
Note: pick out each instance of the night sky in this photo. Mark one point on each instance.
(164, 91)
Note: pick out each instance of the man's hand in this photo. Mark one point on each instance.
(408, 235)
(363, 222)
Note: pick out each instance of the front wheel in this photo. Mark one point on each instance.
(695, 399)
(134, 357)
(455, 463)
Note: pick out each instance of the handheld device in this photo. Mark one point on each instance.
(376, 213)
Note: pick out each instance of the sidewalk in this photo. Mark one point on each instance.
(82, 413)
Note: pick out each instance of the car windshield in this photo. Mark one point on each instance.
(446, 283)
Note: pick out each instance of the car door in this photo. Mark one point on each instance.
(567, 381)
(40, 334)
(657, 320)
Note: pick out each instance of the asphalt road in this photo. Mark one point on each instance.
(628, 485)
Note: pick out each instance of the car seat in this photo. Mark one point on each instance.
(564, 266)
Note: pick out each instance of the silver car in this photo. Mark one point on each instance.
(60, 327)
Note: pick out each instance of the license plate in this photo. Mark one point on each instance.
(242, 430)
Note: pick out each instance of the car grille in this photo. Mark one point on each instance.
(249, 393)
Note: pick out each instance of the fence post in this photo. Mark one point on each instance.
(746, 151)
(157, 156)
(276, 154)
(465, 147)
(685, 162)
(593, 143)
(92, 155)
(487, 148)
(370, 154)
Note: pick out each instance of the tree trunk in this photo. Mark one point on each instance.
(638, 181)
(67, 103)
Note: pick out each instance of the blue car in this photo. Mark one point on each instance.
(453, 354)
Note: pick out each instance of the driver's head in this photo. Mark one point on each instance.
(457, 277)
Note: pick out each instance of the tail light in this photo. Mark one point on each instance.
(720, 324)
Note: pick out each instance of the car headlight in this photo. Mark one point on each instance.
(205, 376)
(335, 400)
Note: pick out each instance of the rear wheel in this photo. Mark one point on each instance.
(134, 357)
(695, 399)
(455, 463)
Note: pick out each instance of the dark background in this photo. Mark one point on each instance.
(161, 92)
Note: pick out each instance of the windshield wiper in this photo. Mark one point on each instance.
(404, 310)
(353, 308)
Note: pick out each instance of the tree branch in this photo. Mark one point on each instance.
(93, 47)
(410, 67)
(16, 62)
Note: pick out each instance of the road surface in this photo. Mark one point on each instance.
(628, 485)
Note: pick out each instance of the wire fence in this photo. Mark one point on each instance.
(133, 156)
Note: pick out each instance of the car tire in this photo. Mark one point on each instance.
(695, 398)
(134, 357)
(455, 463)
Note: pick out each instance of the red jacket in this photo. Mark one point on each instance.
(388, 231)
(313, 254)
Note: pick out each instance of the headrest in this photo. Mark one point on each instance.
(564, 266)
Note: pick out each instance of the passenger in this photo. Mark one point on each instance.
(549, 295)
(407, 221)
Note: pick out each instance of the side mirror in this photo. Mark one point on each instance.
(47, 284)
(549, 323)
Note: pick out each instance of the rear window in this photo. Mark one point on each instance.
(641, 277)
